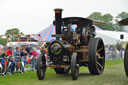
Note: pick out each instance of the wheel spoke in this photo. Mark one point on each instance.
(99, 49)
(99, 57)
(77, 65)
(99, 65)
(99, 43)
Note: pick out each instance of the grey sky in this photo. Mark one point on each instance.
(32, 16)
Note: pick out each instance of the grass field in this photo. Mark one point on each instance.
(113, 75)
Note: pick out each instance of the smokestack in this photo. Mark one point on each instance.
(58, 16)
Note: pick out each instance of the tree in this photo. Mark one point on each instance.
(95, 16)
(121, 16)
(106, 18)
(108, 26)
(3, 41)
(13, 31)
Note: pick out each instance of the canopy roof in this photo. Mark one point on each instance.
(124, 22)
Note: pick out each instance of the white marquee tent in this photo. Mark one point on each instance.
(111, 37)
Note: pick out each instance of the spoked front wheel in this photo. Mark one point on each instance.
(74, 66)
(41, 67)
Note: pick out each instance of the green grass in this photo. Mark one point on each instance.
(109, 63)
(113, 75)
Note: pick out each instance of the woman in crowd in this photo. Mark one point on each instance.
(10, 59)
(23, 52)
(24, 55)
(34, 58)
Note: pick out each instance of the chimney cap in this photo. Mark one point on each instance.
(58, 10)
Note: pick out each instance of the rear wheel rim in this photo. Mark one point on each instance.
(100, 56)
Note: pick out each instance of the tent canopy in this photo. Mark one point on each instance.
(46, 34)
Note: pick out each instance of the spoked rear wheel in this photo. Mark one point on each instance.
(96, 56)
(126, 60)
(41, 67)
(74, 66)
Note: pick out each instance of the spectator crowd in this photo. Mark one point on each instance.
(14, 58)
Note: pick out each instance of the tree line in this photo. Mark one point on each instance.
(12, 31)
(111, 23)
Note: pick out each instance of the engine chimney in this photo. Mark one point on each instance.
(58, 16)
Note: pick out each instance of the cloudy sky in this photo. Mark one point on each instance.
(32, 16)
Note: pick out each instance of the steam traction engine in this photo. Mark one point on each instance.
(124, 22)
(75, 46)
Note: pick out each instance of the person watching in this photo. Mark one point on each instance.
(23, 52)
(10, 59)
(17, 53)
(9, 52)
(34, 58)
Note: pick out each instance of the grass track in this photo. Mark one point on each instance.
(113, 75)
